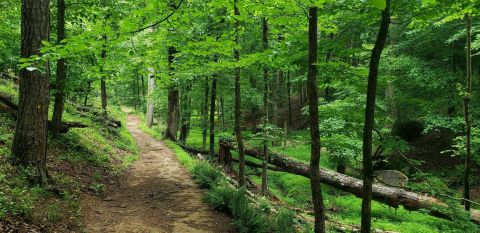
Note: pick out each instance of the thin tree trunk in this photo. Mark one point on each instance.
(222, 107)
(86, 93)
(172, 115)
(238, 105)
(253, 116)
(59, 103)
(328, 90)
(103, 85)
(30, 140)
(370, 117)
(205, 114)
(143, 86)
(265, 109)
(213, 98)
(289, 90)
(314, 128)
(151, 90)
(468, 126)
(186, 111)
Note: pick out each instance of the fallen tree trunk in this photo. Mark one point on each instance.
(98, 116)
(12, 108)
(391, 196)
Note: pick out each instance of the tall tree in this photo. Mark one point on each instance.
(59, 103)
(266, 110)
(238, 103)
(150, 102)
(213, 99)
(370, 117)
(30, 140)
(103, 84)
(314, 122)
(205, 114)
(173, 95)
(466, 101)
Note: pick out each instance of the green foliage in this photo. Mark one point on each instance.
(284, 221)
(206, 175)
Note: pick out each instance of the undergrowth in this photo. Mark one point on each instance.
(82, 160)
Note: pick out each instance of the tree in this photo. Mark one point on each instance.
(313, 117)
(61, 72)
(173, 95)
(150, 102)
(466, 101)
(266, 110)
(30, 140)
(238, 103)
(370, 117)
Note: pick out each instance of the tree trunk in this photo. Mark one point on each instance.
(238, 105)
(205, 114)
(328, 90)
(265, 109)
(370, 117)
(222, 108)
(313, 116)
(103, 85)
(151, 90)
(30, 140)
(253, 116)
(86, 93)
(186, 111)
(59, 103)
(172, 121)
(289, 90)
(213, 98)
(468, 126)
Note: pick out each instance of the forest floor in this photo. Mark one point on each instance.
(156, 195)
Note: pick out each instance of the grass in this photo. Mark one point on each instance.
(293, 190)
(249, 217)
(342, 207)
(80, 161)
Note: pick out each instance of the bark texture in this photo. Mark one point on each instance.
(173, 96)
(30, 140)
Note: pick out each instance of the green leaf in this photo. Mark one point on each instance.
(380, 4)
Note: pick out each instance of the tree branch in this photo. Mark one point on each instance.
(160, 21)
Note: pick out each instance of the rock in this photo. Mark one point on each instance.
(391, 178)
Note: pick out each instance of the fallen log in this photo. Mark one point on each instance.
(12, 108)
(7, 101)
(98, 116)
(390, 196)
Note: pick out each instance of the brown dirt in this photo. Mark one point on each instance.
(157, 195)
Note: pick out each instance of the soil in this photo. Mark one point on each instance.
(158, 195)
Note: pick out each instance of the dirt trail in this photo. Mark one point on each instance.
(157, 195)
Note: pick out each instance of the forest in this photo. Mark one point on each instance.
(240, 116)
